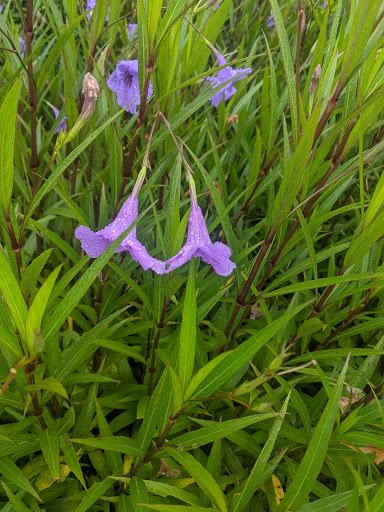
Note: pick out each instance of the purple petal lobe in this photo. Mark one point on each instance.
(197, 229)
(139, 253)
(124, 81)
(63, 122)
(184, 255)
(199, 245)
(96, 243)
(22, 46)
(271, 20)
(217, 255)
(92, 243)
(126, 216)
(224, 75)
(132, 29)
(220, 59)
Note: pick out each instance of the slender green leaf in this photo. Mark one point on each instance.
(313, 459)
(49, 442)
(12, 295)
(114, 443)
(188, 331)
(8, 112)
(203, 479)
(12, 473)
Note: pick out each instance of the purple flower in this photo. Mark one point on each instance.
(124, 81)
(95, 244)
(271, 20)
(224, 75)
(63, 122)
(1, 7)
(91, 4)
(199, 245)
(325, 4)
(22, 46)
(132, 29)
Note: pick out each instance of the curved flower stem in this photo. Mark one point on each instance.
(187, 168)
(140, 121)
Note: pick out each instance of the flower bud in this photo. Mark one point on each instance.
(192, 188)
(139, 181)
(91, 91)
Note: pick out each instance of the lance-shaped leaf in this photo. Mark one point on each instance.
(8, 112)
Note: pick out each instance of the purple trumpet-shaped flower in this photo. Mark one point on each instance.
(124, 81)
(223, 75)
(63, 122)
(199, 244)
(22, 46)
(1, 7)
(95, 244)
(91, 4)
(132, 29)
(325, 4)
(271, 20)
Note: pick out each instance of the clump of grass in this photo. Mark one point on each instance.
(246, 376)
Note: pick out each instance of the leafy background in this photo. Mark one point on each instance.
(277, 405)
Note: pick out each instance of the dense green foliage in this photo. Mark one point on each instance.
(124, 390)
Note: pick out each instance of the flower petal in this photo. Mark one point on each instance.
(197, 229)
(229, 90)
(92, 243)
(140, 254)
(217, 255)
(132, 29)
(124, 81)
(241, 73)
(126, 216)
(184, 255)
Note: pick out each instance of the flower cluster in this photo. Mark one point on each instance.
(124, 82)
(198, 242)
